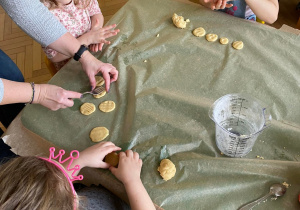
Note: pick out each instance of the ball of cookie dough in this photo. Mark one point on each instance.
(99, 134)
(87, 108)
(238, 45)
(167, 169)
(112, 159)
(199, 32)
(224, 40)
(178, 21)
(211, 37)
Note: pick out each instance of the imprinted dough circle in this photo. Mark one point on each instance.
(238, 45)
(87, 108)
(224, 40)
(199, 32)
(99, 81)
(211, 37)
(107, 106)
(98, 134)
(167, 169)
(100, 95)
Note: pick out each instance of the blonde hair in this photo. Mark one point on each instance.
(33, 183)
(53, 4)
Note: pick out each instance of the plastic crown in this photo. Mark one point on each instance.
(58, 158)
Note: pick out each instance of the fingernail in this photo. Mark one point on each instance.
(81, 96)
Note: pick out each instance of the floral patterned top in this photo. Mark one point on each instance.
(75, 19)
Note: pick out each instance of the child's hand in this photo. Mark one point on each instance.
(129, 168)
(99, 35)
(218, 4)
(94, 155)
(96, 47)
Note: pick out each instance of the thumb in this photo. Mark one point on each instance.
(113, 170)
(105, 165)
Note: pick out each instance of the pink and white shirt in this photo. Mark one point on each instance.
(75, 19)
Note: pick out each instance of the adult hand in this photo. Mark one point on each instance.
(54, 97)
(218, 4)
(129, 168)
(93, 66)
(93, 156)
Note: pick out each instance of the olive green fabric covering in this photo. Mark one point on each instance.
(162, 105)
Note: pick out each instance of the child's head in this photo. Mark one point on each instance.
(33, 183)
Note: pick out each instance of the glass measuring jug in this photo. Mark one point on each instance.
(239, 119)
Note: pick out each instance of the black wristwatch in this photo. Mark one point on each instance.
(77, 55)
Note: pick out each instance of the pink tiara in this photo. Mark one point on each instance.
(58, 159)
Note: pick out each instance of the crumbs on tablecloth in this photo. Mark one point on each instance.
(286, 184)
(260, 157)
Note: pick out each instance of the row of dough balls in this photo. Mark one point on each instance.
(199, 32)
(179, 22)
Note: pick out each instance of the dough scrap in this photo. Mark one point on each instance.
(100, 94)
(107, 106)
(178, 21)
(211, 37)
(224, 40)
(87, 108)
(199, 32)
(98, 134)
(167, 169)
(112, 159)
(99, 81)
(238, 45)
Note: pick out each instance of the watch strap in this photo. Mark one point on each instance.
(78, 54)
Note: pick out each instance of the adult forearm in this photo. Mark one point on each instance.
(35, 19)
(17, 92)
(266, 10)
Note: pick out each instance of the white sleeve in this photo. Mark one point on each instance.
(35, 19)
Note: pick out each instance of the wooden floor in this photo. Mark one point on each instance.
(29, 57)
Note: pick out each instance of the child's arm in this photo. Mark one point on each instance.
(93, 156)
(215, 4)
(98, 18)
(128, 172)
(266, 10)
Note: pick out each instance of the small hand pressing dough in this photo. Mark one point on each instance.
(100, 94)
(99, 81)
(112, 159)
(178, 21)
(167, 169)
(224, 40)
(199, 32)
(211, 37)
(107, 106)
(99, 134)
(87, 108)
(238, 45)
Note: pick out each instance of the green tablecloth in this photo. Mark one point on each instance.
(162, 105)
